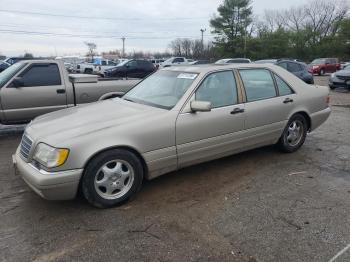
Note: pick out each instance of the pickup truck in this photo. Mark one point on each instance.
(98, 67)
(36, 87)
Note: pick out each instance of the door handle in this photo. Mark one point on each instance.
(237, 111)
(288, 100)
(61, 91)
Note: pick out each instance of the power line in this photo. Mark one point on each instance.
(24, 32)
(98, 18)
(25, 27)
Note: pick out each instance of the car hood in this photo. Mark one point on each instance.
(85, 119)
(343, 73)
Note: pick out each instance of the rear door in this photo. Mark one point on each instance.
(267, 107)
(37, 90)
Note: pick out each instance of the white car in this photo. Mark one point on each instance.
(175, 61)
(233, 61)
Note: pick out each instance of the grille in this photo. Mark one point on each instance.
(26, 145)
(343, 77)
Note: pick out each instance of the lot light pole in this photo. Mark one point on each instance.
(202, 31)
(123, 53)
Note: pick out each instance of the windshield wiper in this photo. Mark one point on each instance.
(128, 99)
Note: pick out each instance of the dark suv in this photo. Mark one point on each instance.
(297, 68)
(133, 68)
(322, 66)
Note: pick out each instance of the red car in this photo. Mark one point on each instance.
(322, 66)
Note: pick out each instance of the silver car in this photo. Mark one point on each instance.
(177, 117)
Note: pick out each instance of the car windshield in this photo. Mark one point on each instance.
(221, 61)
(123, 63)
(8, 73)
(347, 68)
(170, 60)
(162, 89)
(319, 61)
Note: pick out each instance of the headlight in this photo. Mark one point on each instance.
(315, 67)
(50, 156)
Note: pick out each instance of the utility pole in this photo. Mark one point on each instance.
(202, 31)
(123, 53)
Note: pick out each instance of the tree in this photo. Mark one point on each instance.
(176, 47)
(91, 49)
(231, 26)
(28, 55)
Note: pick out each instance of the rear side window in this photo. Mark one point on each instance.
(258, 84)
(41, 75)
(219, 89)
(283, 88)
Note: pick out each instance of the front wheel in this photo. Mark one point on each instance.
(111, 178)
(294, 134)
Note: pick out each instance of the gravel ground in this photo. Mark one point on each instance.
(261, 205)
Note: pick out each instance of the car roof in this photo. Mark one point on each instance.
(206, 68)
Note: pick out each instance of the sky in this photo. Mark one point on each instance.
(60, 27)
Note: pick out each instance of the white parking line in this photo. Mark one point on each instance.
(340, 253)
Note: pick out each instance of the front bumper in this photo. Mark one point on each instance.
(339, 83)
(49, 185)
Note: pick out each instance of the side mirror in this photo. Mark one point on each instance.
(200, 106)
(17, 82)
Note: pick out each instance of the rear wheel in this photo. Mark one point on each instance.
(88, 71)
(294, 134)
(111, 178)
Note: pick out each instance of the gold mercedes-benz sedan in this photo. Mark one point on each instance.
(177, 117)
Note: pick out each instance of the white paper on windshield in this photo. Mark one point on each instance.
(187, 76)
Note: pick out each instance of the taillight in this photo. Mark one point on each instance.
(328, 100)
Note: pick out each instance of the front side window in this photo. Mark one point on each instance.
(258, 84)
(10, 72)
(162, 89)
(179, 60)
(283, 87)
(41, 75)
(219, 89)
(132, 64)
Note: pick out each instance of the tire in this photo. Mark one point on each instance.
(88, 71)
(332, 87)
(322, 72)
(112, 178)
(294, 134)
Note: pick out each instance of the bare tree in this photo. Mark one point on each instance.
(186, 46)
(91, 49)
(323, 17)
(176, 47)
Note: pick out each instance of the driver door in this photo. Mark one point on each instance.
(132, 69)
(37, 90)
(203, 136)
